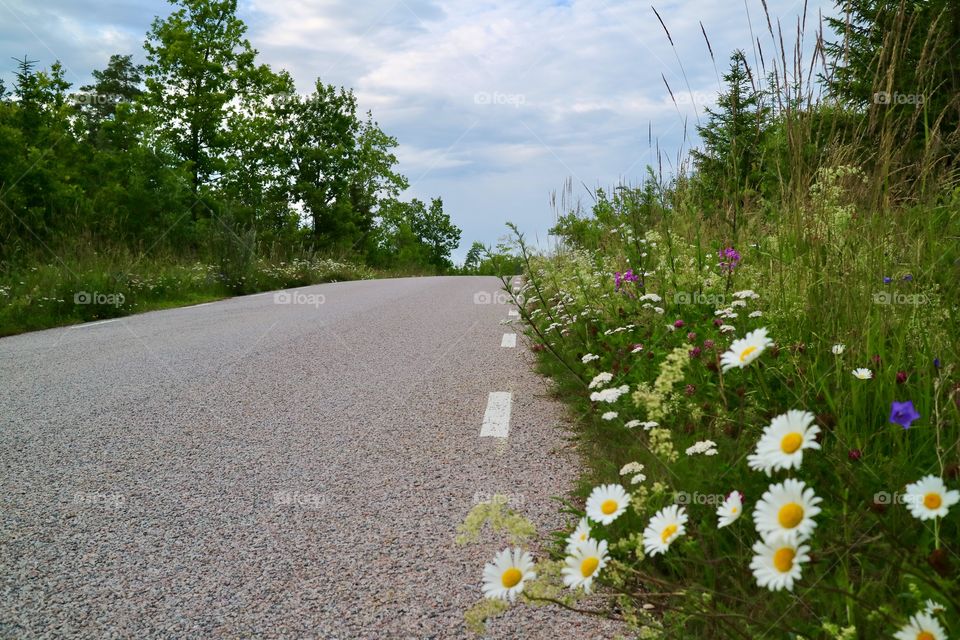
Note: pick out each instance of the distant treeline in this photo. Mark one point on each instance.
(204, 151)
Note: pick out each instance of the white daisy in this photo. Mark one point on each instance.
(600, 379)
(730, 510)
(580, 535)
(862, 373)
(665, 526)
(783, 441)
(610, 415)
(589, 358)
(503, 578)
(928, 498)
(745, 350)
(838, 349)
(932, 608)
(778, 561)
(606, 503)
(584, 563)
(921, 626)
(787, 507)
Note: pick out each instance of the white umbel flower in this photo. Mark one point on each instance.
(705, 447)
(590, 357)
(745, 350)
(746, 293)
(584, 563)
(665, 526)
(922, 626)
(580, 535)
(504, 578)
(610, 415)
(610, 395)
(928, 498)
(730, 510)
(600, 379)
(782, 444)
(607, 502)
(862, 373)
(787, 507)
(778, 561)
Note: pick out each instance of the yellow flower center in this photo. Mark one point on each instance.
(589, 565)
(790, 515)
(746, 353)
(733, 509)
(932, 501)
(608, 507)
(668, 531)
(511, 577)
(925, 635)
(583, 537)
(791, 442)
(783, 559)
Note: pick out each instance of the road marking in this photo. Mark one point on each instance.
(194, 306)
(496, 419)
(93, 324)
(509, 340)
(513, 313)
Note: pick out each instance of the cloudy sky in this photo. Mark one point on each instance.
(495, 102)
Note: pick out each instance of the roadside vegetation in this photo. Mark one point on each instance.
(201, 174)
(760, 352)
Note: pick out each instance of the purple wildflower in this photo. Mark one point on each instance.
(887, 279)
(678, 324)
(621, 279)
(730, 258)
(908, 278)
(903, 414)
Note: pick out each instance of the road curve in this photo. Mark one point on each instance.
(254, 469)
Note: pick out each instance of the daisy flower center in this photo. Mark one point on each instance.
(746, 353)
(790, 515)
(733, 509)
(925, 635)
(608, 507)
(932, 501)
(511, 577)
(783, 559)
(791, 442)
(589, 565)
(668, 531)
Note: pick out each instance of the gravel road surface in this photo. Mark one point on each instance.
(249, 469)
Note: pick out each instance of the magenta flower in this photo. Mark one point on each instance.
(621, 279)
(903, 414)
(678, 324)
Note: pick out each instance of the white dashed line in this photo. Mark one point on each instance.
(509, 340)
(93, 324)
(496, 419)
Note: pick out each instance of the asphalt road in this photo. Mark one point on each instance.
(254, 469)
